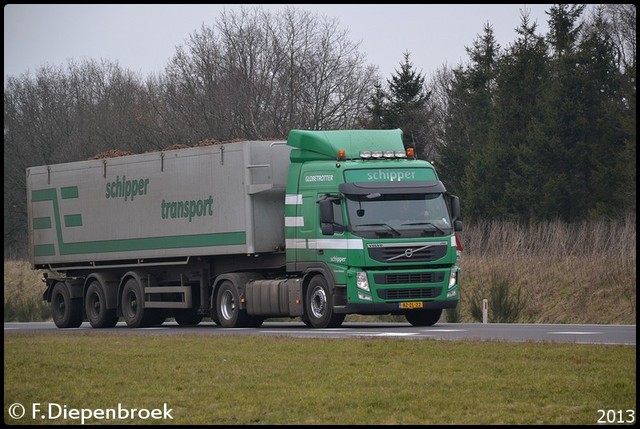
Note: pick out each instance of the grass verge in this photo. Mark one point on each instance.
(252, 380)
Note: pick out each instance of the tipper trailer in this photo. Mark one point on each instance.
(325, 224)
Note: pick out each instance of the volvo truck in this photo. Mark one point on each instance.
(322, 225)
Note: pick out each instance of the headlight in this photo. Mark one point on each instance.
(361, 281)
(453, 279)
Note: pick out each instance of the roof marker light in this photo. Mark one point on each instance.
(401, 154)
(365, 154)
(342, 154)
(411, 152)
(389, 154)
(376, 154)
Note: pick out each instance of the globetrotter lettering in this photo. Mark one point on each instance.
(391, 175)
(127, 189)
(187, 209)
(319, 178)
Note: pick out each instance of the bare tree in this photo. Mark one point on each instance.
(256, 75)
(622, 19)
(62, 115)
(440, 85)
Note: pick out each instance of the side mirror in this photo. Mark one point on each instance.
(456, 213)
(326, 210)
(328, 225)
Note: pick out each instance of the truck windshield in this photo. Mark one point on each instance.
(400, 215)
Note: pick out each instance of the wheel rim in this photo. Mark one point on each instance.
(94, 305)
(318, 302)
(132, 304)
(227, 305)
(59, 305)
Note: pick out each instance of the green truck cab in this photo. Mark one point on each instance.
(375, 225)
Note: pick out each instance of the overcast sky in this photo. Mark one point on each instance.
(143, 38)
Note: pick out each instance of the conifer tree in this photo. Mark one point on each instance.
(403, 105)
(470, 110)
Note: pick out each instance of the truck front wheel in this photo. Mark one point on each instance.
(228, 305)
(132, 305)
(423, 317)
(66, 311)
(319, 310)
(96, 308)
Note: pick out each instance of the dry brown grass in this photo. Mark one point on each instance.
(568, 273)
(23, 293)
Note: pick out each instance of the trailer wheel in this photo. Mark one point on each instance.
(132, 305)
(423, 317)
(66, 311)
(228, 305)
(187, 317)
(96, 308)
(318, 305)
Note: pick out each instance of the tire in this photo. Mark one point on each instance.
(228, 307)
(319, 310)
(95, 306)
(132, 306)
(305, 320)
(66, 312)
(187, 317)
(213, 313)
(424, 317)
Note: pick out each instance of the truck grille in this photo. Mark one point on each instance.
(408, 278)
(422, 293)
(415, 252)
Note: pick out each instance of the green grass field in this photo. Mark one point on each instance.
(277, 380)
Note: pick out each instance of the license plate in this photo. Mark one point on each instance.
(406, 305)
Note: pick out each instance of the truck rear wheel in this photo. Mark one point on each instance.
(66, 311)
(319, 310)
(228, 305)
(132, 305)
(305, 320)
(424, 317)
(96, 308)
(213, 313)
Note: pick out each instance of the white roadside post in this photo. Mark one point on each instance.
(485, 310)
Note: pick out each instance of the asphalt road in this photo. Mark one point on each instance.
(516, 332)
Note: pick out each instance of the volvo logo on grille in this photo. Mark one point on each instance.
(409, 252)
